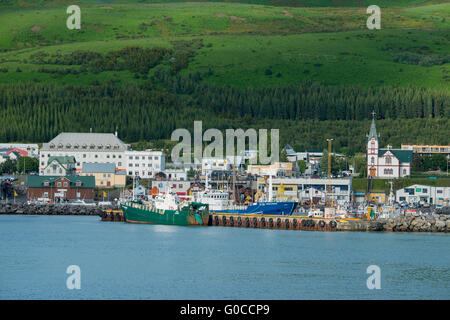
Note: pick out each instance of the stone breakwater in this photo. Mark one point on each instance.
(63, 209)
(419, 223)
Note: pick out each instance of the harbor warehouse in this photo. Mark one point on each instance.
(62, 188)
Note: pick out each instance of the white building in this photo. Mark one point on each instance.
(386, 163)
(217, 164)
(308, 188)
(424, 194)
(3, 157)
(144, 164)
(86, 148)
(59, 166)
(176, 174)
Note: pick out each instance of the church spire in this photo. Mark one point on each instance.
(373, 129)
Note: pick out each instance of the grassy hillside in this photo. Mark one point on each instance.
(228, 64)
(241, 42)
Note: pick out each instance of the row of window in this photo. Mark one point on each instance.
(84, 146)
(150, 165)
(143, 157)
(62, 184)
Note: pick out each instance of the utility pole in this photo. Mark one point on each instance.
(329, 166)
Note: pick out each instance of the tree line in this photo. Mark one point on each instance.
(306, 114)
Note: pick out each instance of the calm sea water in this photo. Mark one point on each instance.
(130, 261)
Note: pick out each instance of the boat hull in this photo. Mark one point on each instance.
(187, 216)
(267, 208)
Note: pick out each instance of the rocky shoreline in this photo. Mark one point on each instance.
(432, 222)
(419, 223)
(63, 209)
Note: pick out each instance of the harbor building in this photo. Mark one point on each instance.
(386, 163)
(106, 174)
(279, 169)
(420, 194)
(60, 166)
(60, 188)
(221, 164)
(308, 189)
(180, 187)
(86, 148)
(144, 164)
(427, 150)
(176, 174)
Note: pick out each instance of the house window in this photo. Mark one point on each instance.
(65, 184)
(46, 183)
(59, 184)
(45, 195)
(78, 183)
(388, 160)
(119, 164)
(404, 171)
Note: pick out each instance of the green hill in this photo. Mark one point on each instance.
(310, 68)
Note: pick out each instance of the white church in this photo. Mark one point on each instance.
(386, 163)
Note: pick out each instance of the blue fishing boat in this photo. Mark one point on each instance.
(269, 208)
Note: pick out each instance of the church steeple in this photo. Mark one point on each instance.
(373, 129)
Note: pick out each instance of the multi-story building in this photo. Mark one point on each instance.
(106, 175)
(179, 187)
(277, 169)
(60, 188)
(59, 166)
(144, 164)
(86, 148)
(424, 194)
(221, 164)
(427, 149)
(294, 189)
(176, 174)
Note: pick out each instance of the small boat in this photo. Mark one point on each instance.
(167, 210)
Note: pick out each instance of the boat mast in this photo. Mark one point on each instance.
(270, 186)
(234, 178)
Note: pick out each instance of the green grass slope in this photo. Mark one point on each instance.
(244, 44)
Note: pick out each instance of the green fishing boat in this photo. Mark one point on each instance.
(166, 210)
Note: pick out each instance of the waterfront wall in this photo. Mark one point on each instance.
(11, 208)
(433, 222)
